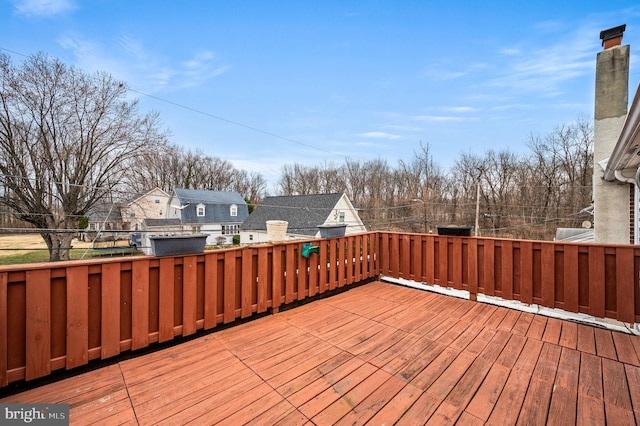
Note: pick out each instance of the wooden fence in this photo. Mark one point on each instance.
(62, 315)
(598, 280)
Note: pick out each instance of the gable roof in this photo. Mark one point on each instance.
(303, 212)
(197, 196)
(217, 206)
(159, 191)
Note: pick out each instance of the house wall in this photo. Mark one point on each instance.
(351, 218)
(150, 206)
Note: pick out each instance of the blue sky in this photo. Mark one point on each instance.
(268, 83)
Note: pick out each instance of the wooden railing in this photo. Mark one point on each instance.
(62, 315)
(598, 280)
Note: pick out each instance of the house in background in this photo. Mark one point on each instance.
(304, 214)
(105, 223)
(152, 205)
(218, 214)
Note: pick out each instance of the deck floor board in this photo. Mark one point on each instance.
(376, 354)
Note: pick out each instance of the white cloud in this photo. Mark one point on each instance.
(459, 109)
(543, 70)
(142, 68)
(379, 135)
(43, 7)
(436, 118)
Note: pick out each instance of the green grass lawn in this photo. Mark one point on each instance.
(75, 254)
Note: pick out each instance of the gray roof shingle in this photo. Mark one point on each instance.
(303, 212)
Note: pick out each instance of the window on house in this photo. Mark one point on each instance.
(250, 237)
(157, 200)
(160, 213)
(230, 229)
(200, 210)
(233, 211)
(341, 217)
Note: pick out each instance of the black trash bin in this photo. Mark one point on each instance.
(455, 231)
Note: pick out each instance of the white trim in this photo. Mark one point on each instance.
(515, 304)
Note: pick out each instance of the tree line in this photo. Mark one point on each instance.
(507, 194)
(71, 140)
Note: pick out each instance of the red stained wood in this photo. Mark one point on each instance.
(625, 284)
(291, 277)
(537, 327)
(590, 381)
(430, 260)
(472, 253)
(586, 339)
(569, 335)
(489, 267)
(526, 272)
(443, 262)
(604, 343)
(211, 289)
(110, 310)
(470, 375)
(342, 261)
(536, 402)
(625, 349)
(399, 404)
(506, 285)
(229, 313)
(563, 406)
(507, 408)
(303, 275)
(590, 410)
(38, 326)
(548, 275)
(614, 384)
(77, 316)
(189, 295)
(568, 370)
(276, 285)
(633, 381)
(552, 331)
(596, 281)
(570, 278)
(456, 259)
(166, 300)
(416, 258)
(140, 304)
(4, 334)
(405, 257)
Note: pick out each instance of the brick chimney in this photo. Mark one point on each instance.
(612, 37)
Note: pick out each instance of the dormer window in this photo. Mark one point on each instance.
(233, 210)
(200, 211)
(341, 217)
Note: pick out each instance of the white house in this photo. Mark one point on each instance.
(218, 214)
(304, 214)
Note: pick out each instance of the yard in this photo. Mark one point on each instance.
(27, 248)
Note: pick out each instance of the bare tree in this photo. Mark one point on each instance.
(66, 141)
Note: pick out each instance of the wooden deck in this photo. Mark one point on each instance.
(376, 354)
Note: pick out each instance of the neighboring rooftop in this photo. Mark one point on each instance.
(378, 353)
(304, 213)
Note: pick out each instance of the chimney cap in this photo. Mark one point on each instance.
(612, 32)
